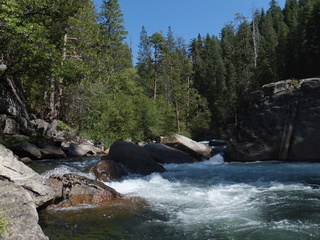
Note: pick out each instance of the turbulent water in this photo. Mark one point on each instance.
(207, 200)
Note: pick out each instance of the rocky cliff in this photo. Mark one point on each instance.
(14, 116)
(281, 124)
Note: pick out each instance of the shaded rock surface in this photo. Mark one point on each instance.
(74, 190)
(196, 150)
(108, 171)
(26, 149)
(282, 124)
(18, 208)
(17, 172)
(165, 154)
(135, 158)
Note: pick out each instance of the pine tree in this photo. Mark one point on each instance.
(159, 46)
(114, 34)
(144, 64)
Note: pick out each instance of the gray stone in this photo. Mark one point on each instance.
(282, 124)
(76, 150)
(18, 208)
(40, 126)
(11, 127)
(20, 174)
(26, 149)
(52, 153)
(135, 158)
(165, 154)
(196, 150)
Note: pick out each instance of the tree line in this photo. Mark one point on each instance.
(75, 66)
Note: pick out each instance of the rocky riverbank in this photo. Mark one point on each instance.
(23, 191)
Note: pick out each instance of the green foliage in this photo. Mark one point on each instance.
(4, 221)
(77, 68)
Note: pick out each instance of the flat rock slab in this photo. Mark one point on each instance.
(17, 172)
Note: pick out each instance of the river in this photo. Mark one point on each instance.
(207, 200)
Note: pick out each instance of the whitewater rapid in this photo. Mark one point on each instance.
(217, 200)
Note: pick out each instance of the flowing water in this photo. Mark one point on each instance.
(207, 200)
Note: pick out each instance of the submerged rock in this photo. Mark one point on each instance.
(282, 124)
(196, 150)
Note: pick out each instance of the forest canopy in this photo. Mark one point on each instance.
(75, 66)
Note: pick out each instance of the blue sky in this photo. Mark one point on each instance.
(187, 18)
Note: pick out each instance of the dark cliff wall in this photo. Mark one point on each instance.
(14, 115)
(282, 124)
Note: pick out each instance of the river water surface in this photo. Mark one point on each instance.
(207, 200)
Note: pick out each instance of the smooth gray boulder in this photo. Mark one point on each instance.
(80, 150)
(17, 172)
(195, 149)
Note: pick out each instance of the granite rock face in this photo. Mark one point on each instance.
(13, 170)
(19, 210)
(281, 124)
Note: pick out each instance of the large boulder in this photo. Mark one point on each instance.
(17, 172)
(20, 213)
(282, 124)
(135, 158)
(197, 150)
(165, 154)
(26, 149)
(108, 171)
(79, 150)
(74, 190)
(52, 153)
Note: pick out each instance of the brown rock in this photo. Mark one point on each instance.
(79, 190)
(108, 171)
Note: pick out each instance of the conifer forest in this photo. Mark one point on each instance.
(76, 66)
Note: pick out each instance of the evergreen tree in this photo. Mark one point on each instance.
(114, 34)
(144, 64)
(159, 46)
(313, 40)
